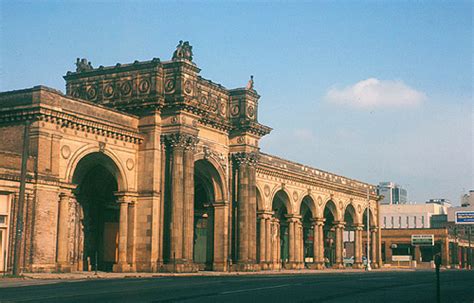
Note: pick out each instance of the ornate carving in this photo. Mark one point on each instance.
(188, 87)
(91, 93)
(180, 141)
(250, 111)
(102, 147)
(183, 51)
(235, 110)
(245, 158)
(295, 195)
(83, 65)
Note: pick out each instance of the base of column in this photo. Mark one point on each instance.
(121, 267)
(219, 266)
(374, 265)
(294, 265)
(64, 267)
(358, 265)
(339, 265)
(180, 267)
(247, 267)
(316, 265)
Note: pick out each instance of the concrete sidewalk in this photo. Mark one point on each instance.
(43, 278)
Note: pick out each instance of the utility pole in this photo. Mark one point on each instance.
(368, 268)
(21, 198)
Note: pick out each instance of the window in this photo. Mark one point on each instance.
(3, 219)
(400, 221)
(393, 225)
(408, 223)
(384, 221)
(414, 221)
(422, 221)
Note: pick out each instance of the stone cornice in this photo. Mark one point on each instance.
(285, 174)
(71, 121)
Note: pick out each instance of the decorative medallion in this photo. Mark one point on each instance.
(102, 147)
(213, 105)
(130, 164)
(235, 110)
(320, 202)
(91, 93)
(240, 140)
(126, 88)
(266, 190)
(144, 86)
(65, 152)
(108, 90)
(188, 87)
(174, 120)
(204, 100)
(223, 108)
(341, 205)
(359, 209)
(295, 195)
(250, 111)
(169, 85)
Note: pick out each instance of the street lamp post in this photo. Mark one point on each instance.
(368, 268)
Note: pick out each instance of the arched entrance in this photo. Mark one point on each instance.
(329, 234)
(280, 214)
(208, 190)
(308, 230)
(97, 236)
(369, 253)
(349, 236)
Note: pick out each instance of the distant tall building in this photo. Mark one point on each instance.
(392, 192)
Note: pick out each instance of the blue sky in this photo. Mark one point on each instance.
(376, 91)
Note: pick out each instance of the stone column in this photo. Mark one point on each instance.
(339, 228)
(221, 239)
(131, 235)
(268, 239)
(294, 240)
(373, 247)
(122, 264)
(262, 240)
(318, 243)
(358, 246)
(245, 164)
(63, 231)
(180, 147)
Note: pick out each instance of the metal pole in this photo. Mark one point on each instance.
(21, 199)
(368, 231)
(469, 250)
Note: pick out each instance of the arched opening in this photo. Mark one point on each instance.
(308, 229)
(96, 239)
(207, 191)
(279, 207)
(329, 234)
(349, 236)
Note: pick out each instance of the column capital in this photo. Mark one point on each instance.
(181, 141)
(246, 158)
(358, 226)
(264, 214)
(339, 224)
(374, 228)
(318, 221)
(293, 218)
(126, 197)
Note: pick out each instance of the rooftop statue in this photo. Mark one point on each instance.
(183, 51)
(83, 65)
(250, 83)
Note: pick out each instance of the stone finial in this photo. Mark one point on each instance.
(250, 83)
(183, 51)
(83, 65)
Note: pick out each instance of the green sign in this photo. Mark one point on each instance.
(422, 240)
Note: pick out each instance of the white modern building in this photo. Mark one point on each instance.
(467, 203)
(411, 215)
(392, 193)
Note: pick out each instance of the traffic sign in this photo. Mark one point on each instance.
(464, 217)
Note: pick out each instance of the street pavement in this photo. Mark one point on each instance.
(355, 286)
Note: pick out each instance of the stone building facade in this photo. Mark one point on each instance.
(150, 167)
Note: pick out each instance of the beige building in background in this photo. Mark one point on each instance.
(150, 167)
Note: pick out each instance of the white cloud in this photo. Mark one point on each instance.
(373, 93)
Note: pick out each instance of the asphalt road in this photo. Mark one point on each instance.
(383, 286)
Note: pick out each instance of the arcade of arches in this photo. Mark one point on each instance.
(150, 167)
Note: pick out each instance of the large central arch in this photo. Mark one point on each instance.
(97, 213)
